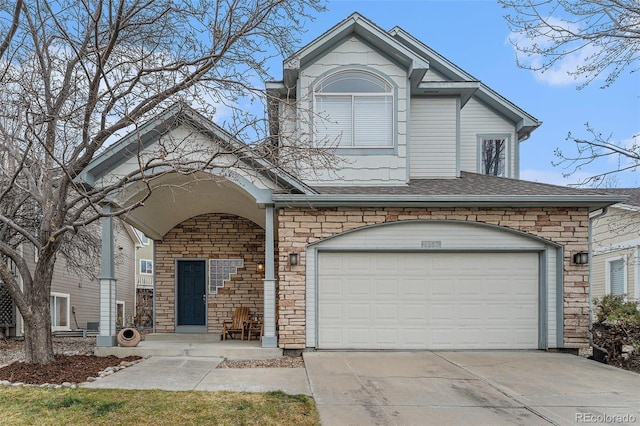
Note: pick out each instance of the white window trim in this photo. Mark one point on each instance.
(353, 95)
(140, 267)
(608, 274)
(68, 326)
(507, 151)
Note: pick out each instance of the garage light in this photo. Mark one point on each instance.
(293, 259)
(581, 258)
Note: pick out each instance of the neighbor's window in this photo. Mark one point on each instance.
(354, 109)
(146, 266)
(59, 305)
(119, 313)
(493, 156)
(616, 277)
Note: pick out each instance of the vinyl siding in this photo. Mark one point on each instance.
(433, 137)
(365, 166)
(616, 234)
(478, 119)
(84, 292)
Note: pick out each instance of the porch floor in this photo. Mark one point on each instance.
(193, 345)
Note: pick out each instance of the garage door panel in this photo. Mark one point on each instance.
(377, 300)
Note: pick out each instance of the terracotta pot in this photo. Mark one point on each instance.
(128, 337)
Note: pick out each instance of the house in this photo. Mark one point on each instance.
(615, 268)
(144, 281)
(74, 294)
(419, 236)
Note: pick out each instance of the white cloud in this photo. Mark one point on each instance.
(559, 73)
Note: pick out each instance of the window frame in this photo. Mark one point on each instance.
(118, 304)
(506, 152)
(54, 312)
(353, 147)
(140, 266)
(607, 275)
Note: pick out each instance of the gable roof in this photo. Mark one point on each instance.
(415, 56)
(169, 119)
(470, 189)
(369, 33)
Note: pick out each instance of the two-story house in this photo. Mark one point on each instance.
(419, 235)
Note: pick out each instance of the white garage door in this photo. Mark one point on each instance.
(392, 300)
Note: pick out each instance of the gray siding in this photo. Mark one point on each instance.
(82, 290)
(478, 119)
(433, 137)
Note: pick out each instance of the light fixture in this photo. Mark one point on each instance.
(293, 259)
(581, 258)
(260, 267)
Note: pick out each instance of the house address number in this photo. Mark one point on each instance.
(431, 244)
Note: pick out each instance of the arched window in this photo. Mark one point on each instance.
(354, 108)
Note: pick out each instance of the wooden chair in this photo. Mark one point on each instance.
(237, 324)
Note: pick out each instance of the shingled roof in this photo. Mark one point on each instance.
(470, 189)
(632, 193)
(466, 184)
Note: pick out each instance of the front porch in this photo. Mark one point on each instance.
(192, 345)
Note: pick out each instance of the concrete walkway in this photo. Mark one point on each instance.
(470, 388)
(200, 373)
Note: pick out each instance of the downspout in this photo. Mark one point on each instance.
(590, 251)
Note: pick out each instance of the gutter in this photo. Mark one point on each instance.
(390, 200)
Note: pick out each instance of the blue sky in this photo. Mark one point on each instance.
(474, 35)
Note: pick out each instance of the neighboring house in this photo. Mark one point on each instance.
(144, 281)
(421, 236)
(615, 265)
(74, 296)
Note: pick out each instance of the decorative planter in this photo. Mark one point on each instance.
(128, 337)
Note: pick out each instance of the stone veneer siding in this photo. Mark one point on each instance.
(211, 236)
(298, 227)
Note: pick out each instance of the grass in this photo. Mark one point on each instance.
(39, 406)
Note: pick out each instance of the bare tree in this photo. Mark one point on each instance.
(598, 147)
(602, 35)
(75, 75)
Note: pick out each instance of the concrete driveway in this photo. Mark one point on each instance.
(470, 388)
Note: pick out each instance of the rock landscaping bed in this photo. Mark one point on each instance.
(282, 362)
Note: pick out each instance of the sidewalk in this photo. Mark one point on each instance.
(178, 373)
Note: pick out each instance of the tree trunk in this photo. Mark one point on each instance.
(38, 348)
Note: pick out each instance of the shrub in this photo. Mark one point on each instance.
(615, 308)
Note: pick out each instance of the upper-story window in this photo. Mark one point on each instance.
(146, 266)
(493, 155)
(354, 110)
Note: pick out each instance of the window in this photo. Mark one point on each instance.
(493, 156)
(119, 313)
(146, 266)
(616, 276)
(354, 109)
(59, 305)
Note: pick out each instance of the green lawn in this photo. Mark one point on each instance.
(39, 406)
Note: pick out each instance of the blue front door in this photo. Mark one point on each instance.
(192, 306)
